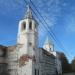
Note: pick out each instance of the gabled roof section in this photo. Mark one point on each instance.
(47, 53)
(3, 47)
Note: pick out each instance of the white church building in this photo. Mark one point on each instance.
(25, 58)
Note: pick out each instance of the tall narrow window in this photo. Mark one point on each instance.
(35, 72)
(24, 26)
(38, 72)
(30, 25)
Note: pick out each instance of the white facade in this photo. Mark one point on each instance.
(50, 48)
(12, 60)
(25, 58)
(27, 37)
(47, 64)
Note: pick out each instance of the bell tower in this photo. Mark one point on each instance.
(27, 33)
(27, 43)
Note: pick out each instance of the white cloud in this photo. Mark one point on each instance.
(71, 26)
(49, 10)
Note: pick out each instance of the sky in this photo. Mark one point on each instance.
(58, 14)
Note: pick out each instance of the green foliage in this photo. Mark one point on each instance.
(66, 68)
(73, 65)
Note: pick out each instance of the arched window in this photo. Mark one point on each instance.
(30, 25)
(24, 26)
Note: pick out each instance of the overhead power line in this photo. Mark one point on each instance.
(51, 33)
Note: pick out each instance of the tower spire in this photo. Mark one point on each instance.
(48, 45)
(29, 12)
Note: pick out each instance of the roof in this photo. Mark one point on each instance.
(3, 47)
(11, 48)
(3, 54)
(47, 53)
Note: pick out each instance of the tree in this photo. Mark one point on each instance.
(66, 68)
(73, 65)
